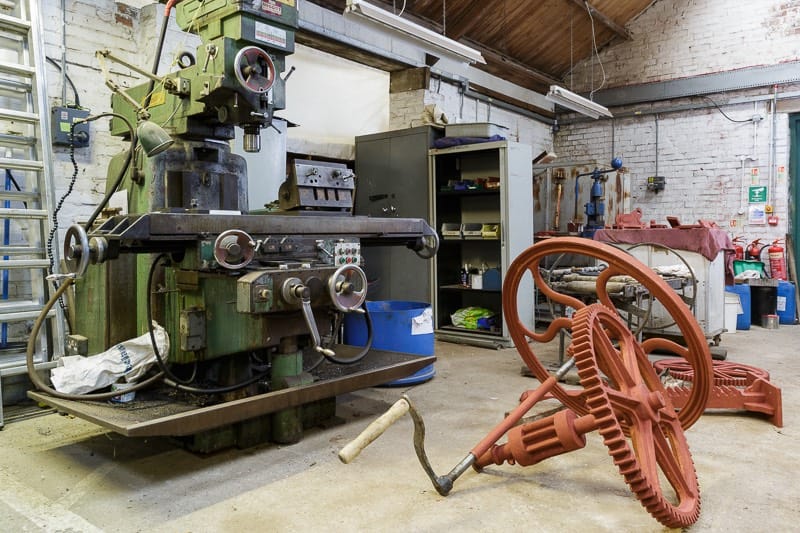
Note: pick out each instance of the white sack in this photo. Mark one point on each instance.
(129, 359)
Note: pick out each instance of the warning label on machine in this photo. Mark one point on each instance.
(270, 34)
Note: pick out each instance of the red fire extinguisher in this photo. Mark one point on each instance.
(777, 261)
(738, 249)
(753, 251)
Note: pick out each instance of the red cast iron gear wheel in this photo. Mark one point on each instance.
(635, 416)
(619, 262)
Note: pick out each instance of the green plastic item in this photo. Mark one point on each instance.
(470, 317)
(740, 265)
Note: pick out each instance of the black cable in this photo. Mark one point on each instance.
(61, 201)
(171, 379)
(37, 381)
(69, 80)
(367, 347)
(123, 170)
(723, 112)
(15, 183)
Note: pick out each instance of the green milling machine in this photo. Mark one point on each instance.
(252, 302)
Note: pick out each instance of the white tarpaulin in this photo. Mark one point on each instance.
(129, 359)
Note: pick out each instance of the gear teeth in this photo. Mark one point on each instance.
(616, 433)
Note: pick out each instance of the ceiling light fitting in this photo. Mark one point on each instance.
(376, 14)
(575, 102)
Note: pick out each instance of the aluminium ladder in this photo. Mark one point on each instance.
(27, 196)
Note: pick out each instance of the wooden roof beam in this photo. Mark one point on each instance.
(616, 28)
(495, 57)
(466, 19)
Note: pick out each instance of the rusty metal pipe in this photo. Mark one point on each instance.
(559, 195)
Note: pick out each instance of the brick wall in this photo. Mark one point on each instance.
(681, 38)
(700, 152)
(90, 26)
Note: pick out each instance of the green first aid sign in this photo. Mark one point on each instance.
(758, 194)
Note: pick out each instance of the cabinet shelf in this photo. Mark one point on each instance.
(451, 327)
(470, 192)
(461, 240)
(457, 287)
(508, 208)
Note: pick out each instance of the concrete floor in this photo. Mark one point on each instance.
(63, 474)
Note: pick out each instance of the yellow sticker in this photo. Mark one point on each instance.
(159, 98)
(287, 2)
(64, 127)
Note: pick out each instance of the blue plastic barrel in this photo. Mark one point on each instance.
(786, 303)
(397, 326)
(743, 291)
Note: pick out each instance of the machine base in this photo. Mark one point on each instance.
(166, 416)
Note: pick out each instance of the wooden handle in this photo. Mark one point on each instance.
(374, 430)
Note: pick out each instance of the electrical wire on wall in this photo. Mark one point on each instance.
(723, 112)
(596, 53)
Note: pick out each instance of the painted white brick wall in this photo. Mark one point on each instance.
(90, 26)
(681, 38)
(699, 152)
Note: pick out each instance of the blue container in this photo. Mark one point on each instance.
(786, 303)
(743, 291)
(397, 326)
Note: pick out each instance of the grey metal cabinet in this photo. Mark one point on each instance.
(483, 210)
(392, 174)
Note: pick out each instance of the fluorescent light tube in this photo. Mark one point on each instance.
(576, 102)
(376, 14)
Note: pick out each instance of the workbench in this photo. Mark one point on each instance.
(704, 250)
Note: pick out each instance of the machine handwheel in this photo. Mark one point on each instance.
(254, 69)
(234, 249)
(635, 416)
(348, 288)
(76, 250)
(428, 245)
(530, 262)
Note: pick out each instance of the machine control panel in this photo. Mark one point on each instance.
(347, 253)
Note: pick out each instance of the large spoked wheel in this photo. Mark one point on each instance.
(254, 69)
(530, 262)
(635, 416)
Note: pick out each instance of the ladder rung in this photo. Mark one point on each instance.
(10, 114)
(13, 23)
(19, 306)
(20, 250)
(16, 69)
(21, 140)
(16, 85)
(24, 315)
(8, 212)
(20, 164)
(19, 196)
(14, 364)
(8, 264)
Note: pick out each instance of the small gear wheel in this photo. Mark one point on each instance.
(635, 416)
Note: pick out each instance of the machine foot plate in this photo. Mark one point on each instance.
(161, 414)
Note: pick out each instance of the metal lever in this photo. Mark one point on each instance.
(444, 484)
(294, 291)
(312, 325)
